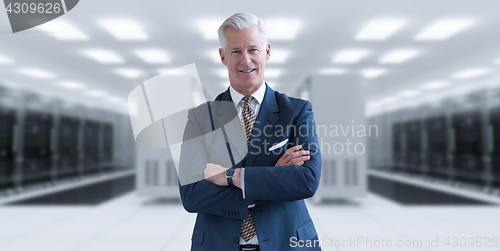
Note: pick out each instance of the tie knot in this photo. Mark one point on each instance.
(247, 99)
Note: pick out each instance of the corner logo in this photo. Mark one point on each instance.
(24, 15)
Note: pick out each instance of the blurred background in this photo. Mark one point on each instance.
(406, 97)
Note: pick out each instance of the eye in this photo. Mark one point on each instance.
(254, 50)
(235, 51)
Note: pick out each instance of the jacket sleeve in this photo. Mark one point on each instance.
(291, 182)
(199, 195)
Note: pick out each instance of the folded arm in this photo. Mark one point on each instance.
(292, 181)
(199, 195)
(295, 175)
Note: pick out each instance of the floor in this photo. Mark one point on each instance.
(128, 223)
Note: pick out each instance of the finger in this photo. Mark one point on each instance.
(293, 149)
(301, 153)
(300, 159)
(298, 154)
(289, 158)
(292, 159)
(290, 151)
(289, 155)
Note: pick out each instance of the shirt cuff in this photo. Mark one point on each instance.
(242, 181)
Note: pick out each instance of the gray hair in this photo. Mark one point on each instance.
(241, 21)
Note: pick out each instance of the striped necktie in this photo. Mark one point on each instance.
(248, 117)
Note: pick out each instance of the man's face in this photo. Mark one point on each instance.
(245, 57)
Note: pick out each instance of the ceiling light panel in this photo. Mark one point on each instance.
(129, 72)
(283, 29)
(380, 29)
(470, 73)
(71, 85)
(398, 56)
(171, 71)
(333, 71)
(124, 29)
(37, 73)
(373, 73)
(104, 56)
(152, 56)
(434, 85)
(444, 29)
(63, 30)
(350, 56)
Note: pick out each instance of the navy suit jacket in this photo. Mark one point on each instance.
(278, 192)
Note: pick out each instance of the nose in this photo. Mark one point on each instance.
(246, 58)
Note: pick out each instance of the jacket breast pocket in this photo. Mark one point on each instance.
(198, 236)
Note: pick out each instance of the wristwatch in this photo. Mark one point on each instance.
(229, 175)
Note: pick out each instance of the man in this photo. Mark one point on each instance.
(258, 204)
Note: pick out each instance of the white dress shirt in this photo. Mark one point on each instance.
(258, 97)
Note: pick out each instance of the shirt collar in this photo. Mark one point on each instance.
(257, 95)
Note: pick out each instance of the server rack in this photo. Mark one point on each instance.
(68, 161)
(467, 147)
(413, 149)
(91, 146)
(494, 142)
(42, 141)
(106, 142)
(7, 148)
(37, 147)
(398, 145)
(436, 136)
(460, 143)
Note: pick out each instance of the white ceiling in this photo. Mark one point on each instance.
(327, 27)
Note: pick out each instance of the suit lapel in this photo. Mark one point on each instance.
(227, 116)
(264, 125)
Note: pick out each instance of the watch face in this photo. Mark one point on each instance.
(230, 172)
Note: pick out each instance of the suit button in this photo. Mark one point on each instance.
(236, 240)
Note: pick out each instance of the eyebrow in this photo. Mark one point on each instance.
(250, 47)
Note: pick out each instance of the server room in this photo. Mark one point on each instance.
(377, 125)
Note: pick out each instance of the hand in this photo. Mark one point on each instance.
(215, 174)
(293, 156)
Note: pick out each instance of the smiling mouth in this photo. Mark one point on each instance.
(247, 71)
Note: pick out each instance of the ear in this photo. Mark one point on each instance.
(221, 54)
(268, 51)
